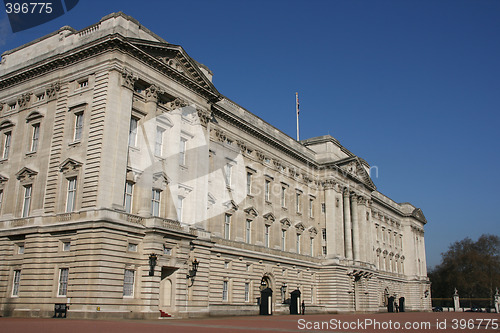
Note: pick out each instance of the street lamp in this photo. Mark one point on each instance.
(152, 263)
(192, 273)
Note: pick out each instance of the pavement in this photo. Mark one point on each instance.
(376, 322)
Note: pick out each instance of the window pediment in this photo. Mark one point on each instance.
(26, 175)
(6, 124)
(70, 167)
(251, 211)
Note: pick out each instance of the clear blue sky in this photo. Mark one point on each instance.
(413, 87)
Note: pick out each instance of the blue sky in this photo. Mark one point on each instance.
(413, 87)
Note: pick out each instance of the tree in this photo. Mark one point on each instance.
(471, 267)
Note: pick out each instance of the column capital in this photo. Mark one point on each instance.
(152, 93)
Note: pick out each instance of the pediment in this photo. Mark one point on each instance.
(26, 174)
(270, 216)
(3, 180)
(313, 231)
(175, 58)
(300, 227)
(69, 165)
(285, 223)
(6, 124)
(419, 215)
(353, 168)
(251, 211)
(231, 205)
(33, 116)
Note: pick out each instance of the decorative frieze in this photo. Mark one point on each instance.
(175, 104)
(152, 93)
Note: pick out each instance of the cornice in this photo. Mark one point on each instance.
(96, 47)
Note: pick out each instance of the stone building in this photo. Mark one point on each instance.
(130, 185)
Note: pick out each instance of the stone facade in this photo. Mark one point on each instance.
(115, 145)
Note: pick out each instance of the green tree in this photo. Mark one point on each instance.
(471, 267)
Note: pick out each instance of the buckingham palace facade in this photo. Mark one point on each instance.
(131, 188)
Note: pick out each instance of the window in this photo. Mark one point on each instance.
(324, 250)
(1, 199)
(6, 145)
(323, 207)
(226, 264)
(180, 210)
(297, 202)
(83, 84)
(27, 200)
(167, 250)
(12, 106)
(227, 225)
(155, 202)
(297, 245)
(266, 190)
(20, 249)
(283, 196)
(283, 239)
(224, 290)
(228, 170)
(34, 137)
(15, 283)
(78, 126)
(247, 291)
(249, 183)
(128, 283)
(159, 141)
(248, 231)
(132, 247)
(182, 151)
(132, 133)
(63, 281)
(129, 188)
(66, 246)
(70, 201)
(40, 97)
(323, 233)
(266, 236)
(311, 246)
(311, 207)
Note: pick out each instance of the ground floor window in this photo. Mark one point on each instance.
(128, 283)
(17, 280)
(63, 281)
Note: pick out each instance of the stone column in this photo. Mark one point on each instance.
(355, 227)
(330, 219)
(347, 225)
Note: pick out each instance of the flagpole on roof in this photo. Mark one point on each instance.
(297, 109)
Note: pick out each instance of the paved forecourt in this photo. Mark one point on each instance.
(379, 322)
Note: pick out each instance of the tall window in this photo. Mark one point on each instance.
(15, 284)
(247, 291)
(128, 283)
(323, 233)
(63, 281)
(297, 202)
(6, 144)
(155, 202)
(267, 185)
(224, 290)
(182, 151)
(1, 200)
(227, 225)
(311, 246)
(229, 169)
(129, 188)
(159, 141)
(283, 196)
(70, 201)
(324, 250)
(27, 200)
(249, 183)
(311, 207)
(78, 126)
(248, 231)
(266, 236)
(132, 133)
(297, 245)
(283, 240)
(180, 210)
(34, 137)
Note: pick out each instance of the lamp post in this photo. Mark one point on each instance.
(192, 273)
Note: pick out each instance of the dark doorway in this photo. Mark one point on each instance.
(295, 302)
(390, 304)
(266, 301)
